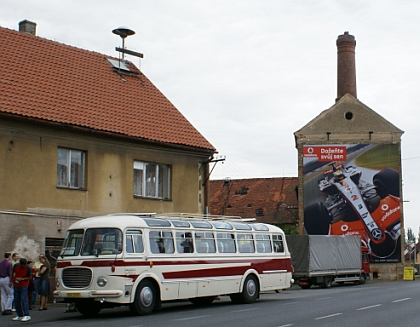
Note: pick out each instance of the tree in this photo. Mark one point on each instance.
(410, 235)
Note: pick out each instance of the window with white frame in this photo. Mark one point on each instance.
(71, 168)
(152, 180)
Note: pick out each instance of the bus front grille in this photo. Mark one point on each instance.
(76, 277)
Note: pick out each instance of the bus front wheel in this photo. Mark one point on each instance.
(145, 300)
(249, 293)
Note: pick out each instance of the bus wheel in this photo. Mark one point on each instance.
(202, 301)
(145, 300)
(88, 308)
(250, 292)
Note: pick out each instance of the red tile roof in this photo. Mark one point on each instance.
(275, 198)
(56, 83)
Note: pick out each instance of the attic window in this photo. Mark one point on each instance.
(348, 115)
(118, 65)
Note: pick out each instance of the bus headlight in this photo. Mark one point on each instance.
(57, 283)
(101, 281)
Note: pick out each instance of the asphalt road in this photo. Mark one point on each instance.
(377, 303)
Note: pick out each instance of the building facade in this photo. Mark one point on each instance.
(84, 134)
(350, 172)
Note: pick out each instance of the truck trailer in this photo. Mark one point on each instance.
(324, 259)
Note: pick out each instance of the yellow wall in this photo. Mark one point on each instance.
(28, 161)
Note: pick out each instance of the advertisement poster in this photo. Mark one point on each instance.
(353, 189)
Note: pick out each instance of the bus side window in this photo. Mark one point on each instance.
(278, 243)
(161, 242)
(204, 242)
(129, 244)
(203, 247)
(226, 243)
(134, 241)
(184, 242)
(245, 243)
(263, 243)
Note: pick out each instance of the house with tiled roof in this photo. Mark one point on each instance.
(85, 133)
(268, 200)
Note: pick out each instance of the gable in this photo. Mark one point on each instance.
(54, 83)
(346, 119)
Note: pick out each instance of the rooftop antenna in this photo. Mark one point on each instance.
(123, 32)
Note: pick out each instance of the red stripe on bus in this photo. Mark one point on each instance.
(258, 264)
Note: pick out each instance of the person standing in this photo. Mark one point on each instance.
(31, 287)
(44, 285)
(6, 285)
(37, 267)
(21, 276)
(14, 260)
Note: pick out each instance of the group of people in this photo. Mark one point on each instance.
(20, 283)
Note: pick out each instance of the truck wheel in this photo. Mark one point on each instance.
(387, 181)
(362, 279)
(317, 220)
(145, 300)
(327, 282)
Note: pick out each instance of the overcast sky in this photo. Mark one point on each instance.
(248, 74)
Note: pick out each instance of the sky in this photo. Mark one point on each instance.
(249, 73)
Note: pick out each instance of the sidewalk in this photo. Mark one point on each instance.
(56, 311)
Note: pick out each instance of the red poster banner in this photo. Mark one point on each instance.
(325, 153)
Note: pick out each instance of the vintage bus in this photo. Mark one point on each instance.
(141, 260)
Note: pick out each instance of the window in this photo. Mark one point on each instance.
(72, 243)
(245, 243)
(71, 168)
(278, 243)
(102, 241)
(204, 242)
(184, 243)
(263, 243)
(134, 241)
(152, 180)
(226, 243)
(161, 242)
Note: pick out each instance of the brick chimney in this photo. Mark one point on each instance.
(26, 26)
(346, 65)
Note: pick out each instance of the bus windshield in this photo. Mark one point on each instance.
(72, 243)
(93, 241)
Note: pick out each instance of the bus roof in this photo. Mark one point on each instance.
(124, 220)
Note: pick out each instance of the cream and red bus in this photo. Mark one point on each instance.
(141, 260)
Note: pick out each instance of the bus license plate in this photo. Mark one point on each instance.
(74, 294)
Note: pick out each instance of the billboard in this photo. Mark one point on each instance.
(354, 189)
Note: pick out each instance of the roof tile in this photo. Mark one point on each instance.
(54, 82)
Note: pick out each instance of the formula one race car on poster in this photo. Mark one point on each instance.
(356, 207)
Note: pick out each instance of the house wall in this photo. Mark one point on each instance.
(31, 204)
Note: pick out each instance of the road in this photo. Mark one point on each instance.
(377, 303)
